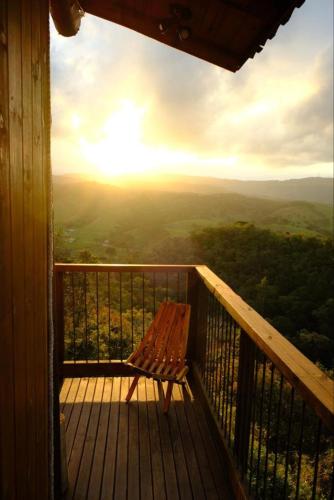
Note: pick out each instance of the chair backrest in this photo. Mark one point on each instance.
(165, 342)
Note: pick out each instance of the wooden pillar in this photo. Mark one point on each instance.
(25, 229)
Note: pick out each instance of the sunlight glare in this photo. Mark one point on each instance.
(120, 150)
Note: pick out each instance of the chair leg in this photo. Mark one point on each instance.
(132, 388)
(168, 396)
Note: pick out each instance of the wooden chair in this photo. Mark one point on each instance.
(161, 353)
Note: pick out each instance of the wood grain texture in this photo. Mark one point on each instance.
(24, 248)
(125, 268)
(162, 351)
(134, 451)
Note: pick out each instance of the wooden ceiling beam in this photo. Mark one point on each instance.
(149, 26)
(66, 15)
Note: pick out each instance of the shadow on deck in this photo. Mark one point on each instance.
(117, 450)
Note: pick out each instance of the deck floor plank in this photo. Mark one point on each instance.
(199, 446)
(166, 445)
(184, 484)
(188, 447)
(133, 459)
(145, 465)
(133, 451)
(65, 389)
(122, 444)
(70, 400)
(89, 444)
(73, 420)
(108, 478)
(96, 475)
(80, 437)
(158, 474)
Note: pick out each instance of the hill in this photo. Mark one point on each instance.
(312, 189)
(118, 222)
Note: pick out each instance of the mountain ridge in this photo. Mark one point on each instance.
(311, 189)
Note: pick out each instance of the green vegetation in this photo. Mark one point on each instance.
(288, 279)
(123, 225)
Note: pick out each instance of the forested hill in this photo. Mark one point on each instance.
(103, 218)
(312, 189)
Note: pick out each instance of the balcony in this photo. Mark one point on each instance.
(254, 420)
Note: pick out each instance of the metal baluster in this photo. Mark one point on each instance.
(254, 421)
(261, 428)
(232, 383)
(225, 328)
(277, 433)
(97, 316)
(316, 464)
(300, 448)
(73, 318)
(143, 305)
(221, 329)
(109, 319)
(268, 429)
(131, 305)
(121, 313)
(228, 375)
(286, 471)
(154, 295)
(86, 329)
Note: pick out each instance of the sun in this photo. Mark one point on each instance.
(121, 149)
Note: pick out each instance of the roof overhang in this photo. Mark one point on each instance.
(224, 32)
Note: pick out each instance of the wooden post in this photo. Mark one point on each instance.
(244, 399)
(26, 432)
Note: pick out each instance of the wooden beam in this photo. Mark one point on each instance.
(123, 268)
(66, 15)
(137, 20)
(114, 368)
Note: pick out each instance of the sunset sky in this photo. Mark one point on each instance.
(123, 103)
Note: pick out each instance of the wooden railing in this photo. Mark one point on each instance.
(271, 408)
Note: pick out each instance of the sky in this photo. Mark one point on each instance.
(123, 103)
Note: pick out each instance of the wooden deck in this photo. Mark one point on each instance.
(117, 450)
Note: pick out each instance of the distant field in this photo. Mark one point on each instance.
(113, 221)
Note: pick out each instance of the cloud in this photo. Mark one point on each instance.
(274, 115)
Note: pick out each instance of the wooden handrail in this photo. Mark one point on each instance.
(314, 386)
(123, 268)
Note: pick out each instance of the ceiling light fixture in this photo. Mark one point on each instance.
(175, 22)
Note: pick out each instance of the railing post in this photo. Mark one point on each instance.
(244, 399)
(198, 299)
(59, 323)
